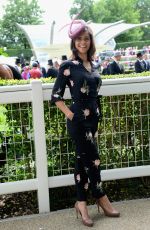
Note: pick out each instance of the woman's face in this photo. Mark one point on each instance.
(82, 42)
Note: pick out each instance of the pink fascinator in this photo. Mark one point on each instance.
(76, 26)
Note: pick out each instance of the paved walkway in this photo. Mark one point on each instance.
(135, 215)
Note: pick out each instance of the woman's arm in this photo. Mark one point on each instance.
(68, 113)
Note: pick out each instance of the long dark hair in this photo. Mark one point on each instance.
(92, 49)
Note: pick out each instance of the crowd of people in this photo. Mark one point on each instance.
(114, 65)
(32, 70)
(129, 51)
(108, 65)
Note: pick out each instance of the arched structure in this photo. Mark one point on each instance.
(110, 33)
(46, 45)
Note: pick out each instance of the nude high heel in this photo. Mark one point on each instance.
(86, 221)
(107, 207)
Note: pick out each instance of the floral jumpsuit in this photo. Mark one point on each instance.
(84, 87)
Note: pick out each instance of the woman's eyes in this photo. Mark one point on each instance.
(83, 39)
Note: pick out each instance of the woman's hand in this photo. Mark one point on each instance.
(70, 115)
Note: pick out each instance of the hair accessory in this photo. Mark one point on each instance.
(76, 26)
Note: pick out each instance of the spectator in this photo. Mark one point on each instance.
(51, 71)
(139, 65)
(35, 72)
(146, 62)
(105, 70)
(18, 65)
(26, 72)
(43, 70)
(63, 58)
(115, 67)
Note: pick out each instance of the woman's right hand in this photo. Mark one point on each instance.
(70, 116)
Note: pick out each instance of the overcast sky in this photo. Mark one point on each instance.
(57, 10)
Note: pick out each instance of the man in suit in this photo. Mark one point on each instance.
(115, 67)
(51, 71)
(139, 65)
(105, 70)
(146, 62)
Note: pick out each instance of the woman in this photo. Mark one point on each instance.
(82, 117)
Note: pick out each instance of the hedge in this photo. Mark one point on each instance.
(139, 44)
(17, 53)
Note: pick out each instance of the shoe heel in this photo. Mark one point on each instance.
(98, 208)
(87, 222)
(77, 213)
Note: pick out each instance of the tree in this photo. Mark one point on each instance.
(18, 11)
(144, 8)
(107, 11)
(87, 13)
(123, 10)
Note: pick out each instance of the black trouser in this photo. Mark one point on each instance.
(87, 163)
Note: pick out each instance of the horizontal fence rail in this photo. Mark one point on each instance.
(48, 145)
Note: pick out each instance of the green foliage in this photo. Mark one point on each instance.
(87, 13)
(23, 82)
(139, 44)
(144, 8)
(51, 80)
(107, 11)
(122, 140)
(3, 122)
(22, 12)
(27, 53)
(2, 52)
(130, 75)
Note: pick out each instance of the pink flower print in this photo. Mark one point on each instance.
(85, 88)
(72, 83)
(56, 95)
(99, 185)
(86, 169)
(75, 62)
(97, 111)
(96, 134)
(86, 112)
(89, 136)
(96, 163)
(98, 87)
(86, 186)
(78, 178)
(67, 72)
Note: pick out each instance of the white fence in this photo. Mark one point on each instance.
(37, 93)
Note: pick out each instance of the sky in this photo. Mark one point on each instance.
(57, 10)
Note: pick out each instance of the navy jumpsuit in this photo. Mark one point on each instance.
(84, 87)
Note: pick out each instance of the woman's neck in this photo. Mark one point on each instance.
(83, 57)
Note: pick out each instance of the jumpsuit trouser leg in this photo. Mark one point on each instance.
(87, 162)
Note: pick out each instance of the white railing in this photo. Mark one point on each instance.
(37, 93)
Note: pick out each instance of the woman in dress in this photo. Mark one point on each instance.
(83, 116)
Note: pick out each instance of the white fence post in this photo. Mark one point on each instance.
(40, 146)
